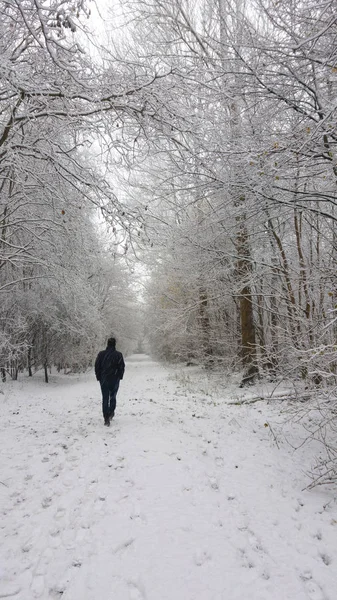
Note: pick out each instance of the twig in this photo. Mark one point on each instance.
(240, 402)
(273, 434)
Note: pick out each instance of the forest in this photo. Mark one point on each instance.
(168, 173)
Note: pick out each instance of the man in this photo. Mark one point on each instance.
(109, 369)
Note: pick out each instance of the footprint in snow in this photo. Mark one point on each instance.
(81, 536)
(8, 590)
(26, 547)
(200, 557)
(254, 542)
(46, 502)
(314, 591)
(246, 561)
(265, 574)
(325, 558)
(56, 593)
(68, 539)
(136, 514)
(38, 586)
(129, 482)
(54, 540)
(213, 483)
(60, 513)
(300, 505)
(135, 592)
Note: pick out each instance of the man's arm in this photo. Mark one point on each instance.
(98, 365)
(121, 366)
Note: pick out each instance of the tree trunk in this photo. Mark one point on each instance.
(204, 323)
(244, 270)
(46, 372)
(248, 332)
(29, 361)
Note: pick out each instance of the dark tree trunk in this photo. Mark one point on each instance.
(244, 269)
(46, 372)
(248, 340)
(205, 323)
(29, 361)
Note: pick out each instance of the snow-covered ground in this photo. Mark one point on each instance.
(184, 497)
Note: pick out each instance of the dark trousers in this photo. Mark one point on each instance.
(109, 392)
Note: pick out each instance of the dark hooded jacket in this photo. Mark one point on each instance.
(109, 365)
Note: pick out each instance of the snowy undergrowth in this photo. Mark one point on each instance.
(186, 496)
(300, 416)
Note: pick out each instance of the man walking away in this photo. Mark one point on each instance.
(109, 369)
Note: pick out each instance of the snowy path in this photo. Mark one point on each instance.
(180, 499)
